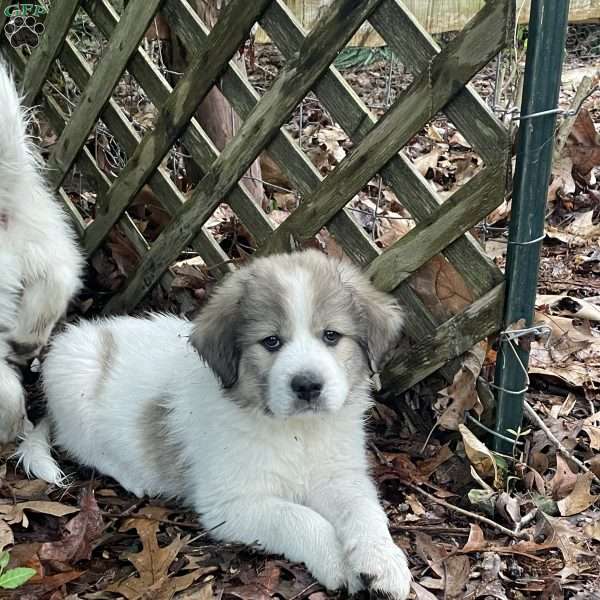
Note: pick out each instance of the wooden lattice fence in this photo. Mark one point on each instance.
(440, 84)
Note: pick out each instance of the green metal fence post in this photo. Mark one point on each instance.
(546, 41)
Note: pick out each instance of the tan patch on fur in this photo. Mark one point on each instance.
(160, 450)
(108, 347)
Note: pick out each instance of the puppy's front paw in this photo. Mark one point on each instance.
(383, 569)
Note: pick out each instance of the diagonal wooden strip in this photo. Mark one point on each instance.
(476, 268)
(349, 111)
(469, 205)
(160, 181)
(132, 26)
(464, 56)
(237, 18)
(184, 21)
(199, 145)
(57, 24)
(4, 4)
(451, 339)
(415, 48)
(334, 30)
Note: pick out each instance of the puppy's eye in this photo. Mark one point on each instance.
(272, 343)
(331, 337)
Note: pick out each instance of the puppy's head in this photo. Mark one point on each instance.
(296, 333)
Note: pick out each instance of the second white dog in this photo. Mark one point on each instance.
(40, 264)
(265, 437)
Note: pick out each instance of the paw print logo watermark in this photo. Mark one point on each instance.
(23, 28)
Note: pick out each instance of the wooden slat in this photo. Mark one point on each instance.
(237, 18)
(479, 272)
(415, 48)
(134, 23)
(57, 24)
(200, 147)
(294, 81)
(283, 149)
(476, 199)
(160, 181)
(186, 24)
(473, 48)
(451, 339)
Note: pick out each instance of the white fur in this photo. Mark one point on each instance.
(304, 352)
(40, 264)
(296, 483)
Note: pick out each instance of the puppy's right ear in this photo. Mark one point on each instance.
(214, 334)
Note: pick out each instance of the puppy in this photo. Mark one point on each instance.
(40, 264)
(264, 436)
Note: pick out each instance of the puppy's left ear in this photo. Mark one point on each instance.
(379, 311)
(214, 334)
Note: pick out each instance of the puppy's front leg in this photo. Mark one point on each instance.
(283, 527)
(351, 504)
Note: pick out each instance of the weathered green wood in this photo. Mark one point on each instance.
(479, 272)
(415, 48)
(200, 147)
(283, 149)
(57, 24)
(160, 181)
(295, 79)
(133, 25)
(4, 4)
(451, 339)
(473, 48)
(237, 18)
(469, 205)
(186, 24)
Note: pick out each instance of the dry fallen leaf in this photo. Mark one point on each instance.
(580, 498)
(6, 536)
(564, 479)
(592, 530)
(14, 513)
(583, 144)
(462, 393)
(152, 564)
(591, 426)
(81, 531)
(478, 454)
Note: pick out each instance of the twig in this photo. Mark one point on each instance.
(585, 89)
(467, 513)
(398, 528)
(533, 416)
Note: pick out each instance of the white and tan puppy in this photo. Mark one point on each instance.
(40, 264)
(264, 436)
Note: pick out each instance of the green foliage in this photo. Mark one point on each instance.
(13, 578)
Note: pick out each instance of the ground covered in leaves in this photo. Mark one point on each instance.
(475, 524)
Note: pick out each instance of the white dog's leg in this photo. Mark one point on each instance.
(43, 303)
(360, 522)
(12, 404)
(282, 527)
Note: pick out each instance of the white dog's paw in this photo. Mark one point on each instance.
(13, 419)
(383, 569)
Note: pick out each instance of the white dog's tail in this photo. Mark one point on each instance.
(15, 150)
(35, 455)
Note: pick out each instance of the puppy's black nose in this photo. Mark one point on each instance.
(307, 387)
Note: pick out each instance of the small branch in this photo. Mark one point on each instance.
(586, 85)
(535, 418)
(467, 513)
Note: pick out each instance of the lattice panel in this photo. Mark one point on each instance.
(440, 84)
